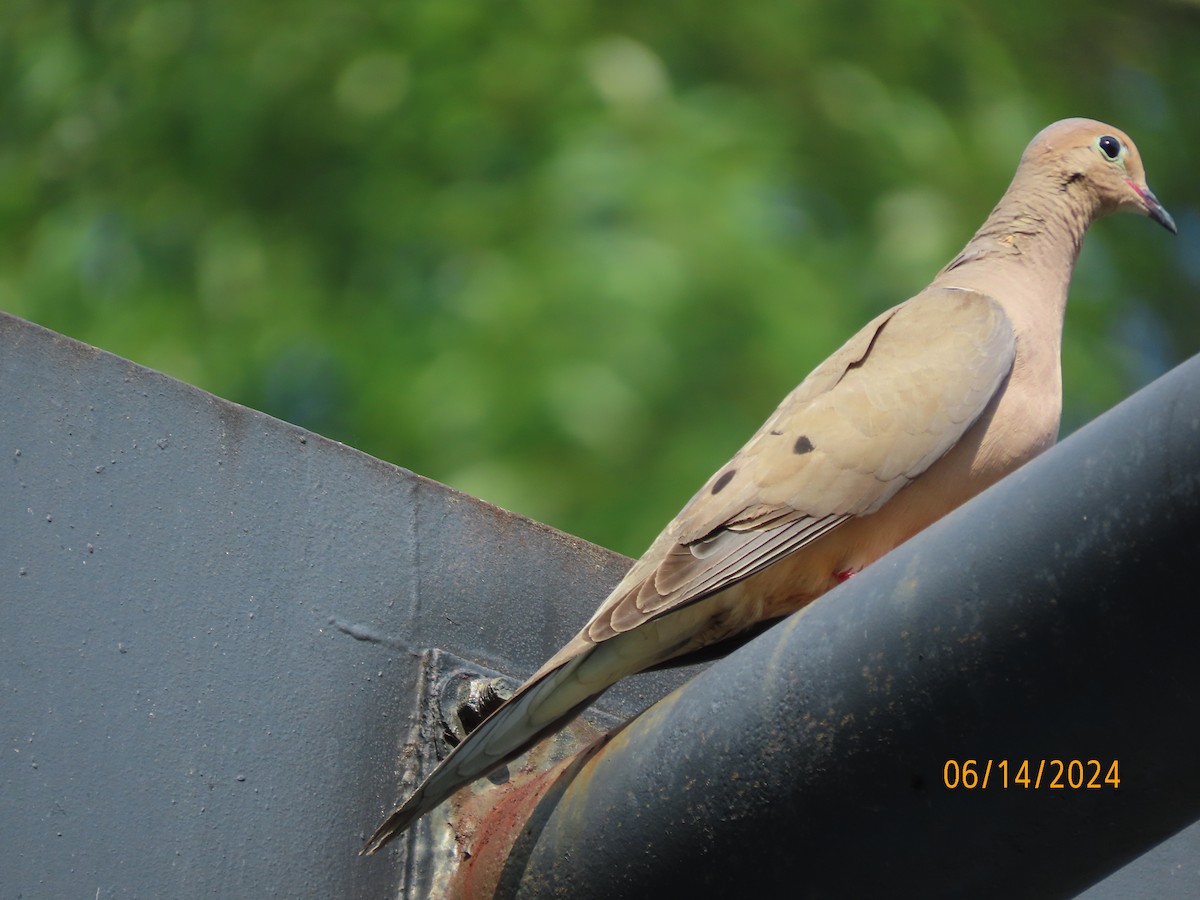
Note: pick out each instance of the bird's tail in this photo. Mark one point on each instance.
(540, 706)
(545, 703)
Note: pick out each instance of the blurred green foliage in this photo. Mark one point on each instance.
(564, 255)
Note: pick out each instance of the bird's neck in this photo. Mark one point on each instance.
(1023, 257)
(1031, 240)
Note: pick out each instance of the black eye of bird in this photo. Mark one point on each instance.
(1111, 146)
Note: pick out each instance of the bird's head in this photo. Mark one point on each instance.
(1099, 163)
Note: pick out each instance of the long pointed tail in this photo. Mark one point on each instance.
(538, 707)
(548, 701)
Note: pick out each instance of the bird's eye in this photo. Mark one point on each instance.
(1110, 146)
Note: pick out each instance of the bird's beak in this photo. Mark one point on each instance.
(1154, 209)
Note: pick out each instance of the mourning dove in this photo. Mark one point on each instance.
(926, 406)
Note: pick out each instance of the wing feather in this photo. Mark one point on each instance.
(874, 416)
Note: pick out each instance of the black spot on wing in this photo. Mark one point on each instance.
(803, 445)
(724, 480)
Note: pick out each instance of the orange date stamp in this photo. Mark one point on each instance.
(1031, 774)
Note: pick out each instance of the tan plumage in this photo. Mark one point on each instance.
(928, 404)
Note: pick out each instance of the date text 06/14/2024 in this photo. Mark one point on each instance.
(1052, 774)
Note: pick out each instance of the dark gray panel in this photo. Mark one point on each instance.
(186, 708)
(209, 622)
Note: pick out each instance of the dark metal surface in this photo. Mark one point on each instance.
(1052, 618)
(210, 626)
(209, 622)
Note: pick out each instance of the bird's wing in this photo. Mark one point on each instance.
(870, 419)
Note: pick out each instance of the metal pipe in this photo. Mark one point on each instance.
(1055, 617)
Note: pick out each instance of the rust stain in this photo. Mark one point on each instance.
(488, 826)
(489, 818)
(490, 822)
